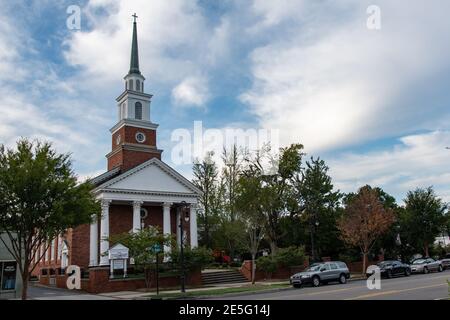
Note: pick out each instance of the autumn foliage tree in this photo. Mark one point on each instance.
(365, 219)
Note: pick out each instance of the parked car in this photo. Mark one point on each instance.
(390, 268)
(323, 272)
(446, 261)
(426, 265)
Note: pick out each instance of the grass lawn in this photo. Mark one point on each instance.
(213, 292)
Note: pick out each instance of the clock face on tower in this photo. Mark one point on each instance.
(140, 137)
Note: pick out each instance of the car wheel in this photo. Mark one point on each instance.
(342, 279)
(389, 274)
(316, 281)
(440, 268)
(425, 270)
(407, 272)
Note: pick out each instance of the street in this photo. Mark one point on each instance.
(46, 293)
(416, 287)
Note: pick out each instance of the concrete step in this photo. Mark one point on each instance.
(223, 277)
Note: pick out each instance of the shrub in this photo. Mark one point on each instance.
(197, 258)
(266, 264)
(291, 256)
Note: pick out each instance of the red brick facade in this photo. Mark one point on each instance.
(128, 135)
(129, 153)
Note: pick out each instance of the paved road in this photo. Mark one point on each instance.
(45, 293)
(416, 287)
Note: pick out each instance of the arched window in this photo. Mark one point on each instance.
(138, 111)
(130, 85)
(138, 85)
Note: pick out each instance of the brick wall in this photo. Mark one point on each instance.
(80, 246)
(99, 282)
(120, 218)
(128, 134)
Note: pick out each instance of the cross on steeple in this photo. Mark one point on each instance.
(134, 64)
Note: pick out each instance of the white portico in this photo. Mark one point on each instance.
(150, 184)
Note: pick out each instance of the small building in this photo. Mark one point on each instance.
(10, 279)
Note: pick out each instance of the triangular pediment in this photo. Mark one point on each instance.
(152, 176)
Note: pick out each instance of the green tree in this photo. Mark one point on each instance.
(206, 179)
(250, 203)
(424, 218)
(141, 246)
(40, 198)
(230, 223)
(279, 193)
(318, 202)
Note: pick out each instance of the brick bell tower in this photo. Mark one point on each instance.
(134, 136)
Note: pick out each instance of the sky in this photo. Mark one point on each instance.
(373, 103)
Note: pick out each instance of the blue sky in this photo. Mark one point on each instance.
(373, 103)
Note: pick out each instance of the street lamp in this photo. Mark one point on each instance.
(184, 215)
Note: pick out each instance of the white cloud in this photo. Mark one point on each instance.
(274, 12)
(416, 161)
(192, 91)
(334, 83)
(171, 39)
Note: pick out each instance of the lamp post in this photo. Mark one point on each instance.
(184, 215)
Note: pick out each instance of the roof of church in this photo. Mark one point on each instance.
(105, 176)
(106, 179)
(134, 62)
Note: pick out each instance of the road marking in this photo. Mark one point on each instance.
(330, 291)
(394, 291)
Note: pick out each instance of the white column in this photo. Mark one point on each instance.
(59, 247)
(193, 226)
(104, 233)
(166, 223)
(93, 249)
(137, 215)
(52, 251)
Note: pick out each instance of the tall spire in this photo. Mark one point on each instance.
(134, 63)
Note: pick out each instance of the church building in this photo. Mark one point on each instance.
(137, 190)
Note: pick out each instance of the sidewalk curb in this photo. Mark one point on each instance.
(238, 294)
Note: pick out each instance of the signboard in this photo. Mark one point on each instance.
(156, 248)
(118, 264)
(118, 252)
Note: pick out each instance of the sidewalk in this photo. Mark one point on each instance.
(137, 295)
(141, 295)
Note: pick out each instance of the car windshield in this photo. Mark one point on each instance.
(385, 263)
(419, 261)
(314, 267)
